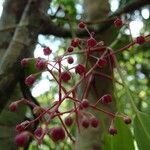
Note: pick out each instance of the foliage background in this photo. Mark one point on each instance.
(134, 64)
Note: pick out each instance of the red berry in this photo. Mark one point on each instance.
(106, 99)
(57, 134)
(80, 69)
(24, 62)
(38, 132)
(91, 42)
(127, 120)
(70, 60)
(140, 40)
(85, 122)
(94, 122)
(85, 103)
(68, 121)
(13, 106)
(75, 42)
(40, 64)
(102, 62)
(118, 23)
(112, 130)
(81, 25)
(20, 128)
(65, 76)
(30, 80)
(70, 49)
(47, 51)
(22, 139)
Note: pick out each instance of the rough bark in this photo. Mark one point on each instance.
(18, 43)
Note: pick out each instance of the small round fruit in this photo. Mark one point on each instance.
(68, 121)
(118, 23)
(30, 80)
(140, 40)
(41, 64)
(94, 122)
(127, 120)
(65, 76)
(57, 134)
(47, 51)
(112, 130)
(91, 42)
(24, 62)
(106, 99)
(22, 139)
(80, 69)
(70, 49)
(70, 60)
(38, 132)
(85, 103)
(13, 107)
(81, 25)
(102, 62)
(85, 122)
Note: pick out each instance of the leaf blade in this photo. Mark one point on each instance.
(142, 130)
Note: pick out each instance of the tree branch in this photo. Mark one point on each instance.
(23, 41)
(51, 28)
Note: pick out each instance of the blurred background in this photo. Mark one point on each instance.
(62, 18)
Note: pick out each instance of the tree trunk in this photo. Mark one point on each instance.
(20, 24)
(91, 139)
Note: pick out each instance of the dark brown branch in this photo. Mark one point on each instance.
(53, 29)
(132, 7)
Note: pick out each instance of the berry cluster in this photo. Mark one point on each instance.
(61, 75)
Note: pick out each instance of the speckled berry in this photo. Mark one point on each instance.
(38, 132)
(65, 76)
(140, 40)
(81, 25)
(41, 64)
(47, 51)
(20, 128)
(85, 122)
(118, 23)
(30, 80)
(13, 106)
(70, 60)
(80, 69)
(68, 121)
(106, 99)
(57, 134)
(22, 138)
(102, 62)
(91, 42)
(24, 62)
(94, 122)
(85, 103)
(70, 49)
(112, 130)
(127, 120)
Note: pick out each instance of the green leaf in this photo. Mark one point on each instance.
(123, 140)
(142, 130)
(8, 121)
